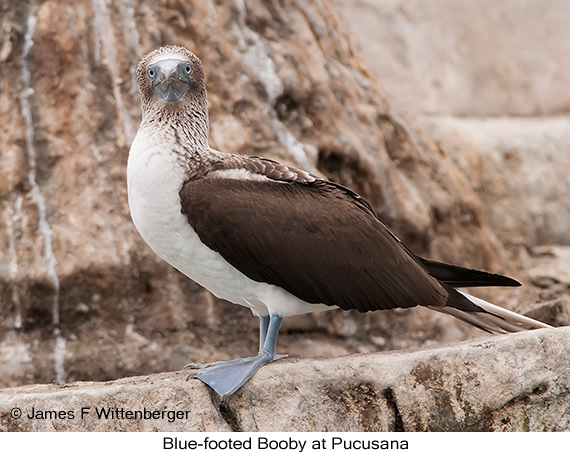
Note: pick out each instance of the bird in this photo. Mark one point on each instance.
(270, 237)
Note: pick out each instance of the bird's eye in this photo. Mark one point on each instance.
(188, 69)
(151, 73)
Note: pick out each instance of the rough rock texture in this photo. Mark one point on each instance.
(551, 266)
(519, 167)
(459, 57)
(517, 382)
(82, 295)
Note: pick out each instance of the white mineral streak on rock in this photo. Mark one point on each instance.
(38, 197)
(106, 53)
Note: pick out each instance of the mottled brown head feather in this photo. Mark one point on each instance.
(186, 119)
(195, 97)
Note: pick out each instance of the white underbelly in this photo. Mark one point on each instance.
(153, 188)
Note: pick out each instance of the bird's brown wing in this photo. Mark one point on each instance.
(318, 241)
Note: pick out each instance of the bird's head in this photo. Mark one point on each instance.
(171, 77)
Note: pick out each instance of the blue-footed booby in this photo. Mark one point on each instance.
(275, 239)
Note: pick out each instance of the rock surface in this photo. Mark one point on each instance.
(516, 382)
(465, 58)
(519, 167)
(83, 298)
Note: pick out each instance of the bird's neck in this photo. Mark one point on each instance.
(189, 127)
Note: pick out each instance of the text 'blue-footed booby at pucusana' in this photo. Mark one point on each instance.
(275, 239)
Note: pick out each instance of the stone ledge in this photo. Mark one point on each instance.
(513, 382)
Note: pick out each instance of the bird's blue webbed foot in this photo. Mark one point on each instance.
(226, 377)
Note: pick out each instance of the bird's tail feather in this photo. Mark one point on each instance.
(488, 316)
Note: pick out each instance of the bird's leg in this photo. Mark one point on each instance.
(264, 321)
(263, 325)
(226, 377)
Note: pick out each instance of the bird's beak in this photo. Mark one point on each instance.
(170, 78)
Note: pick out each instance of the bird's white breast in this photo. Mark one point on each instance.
(155, 175)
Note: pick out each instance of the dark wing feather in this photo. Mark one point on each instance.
(319, 241)
(465, 277)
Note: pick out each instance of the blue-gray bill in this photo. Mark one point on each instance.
(170, 78)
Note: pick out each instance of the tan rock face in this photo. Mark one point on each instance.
(82, 295)
(464, 58)
(519, 167)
